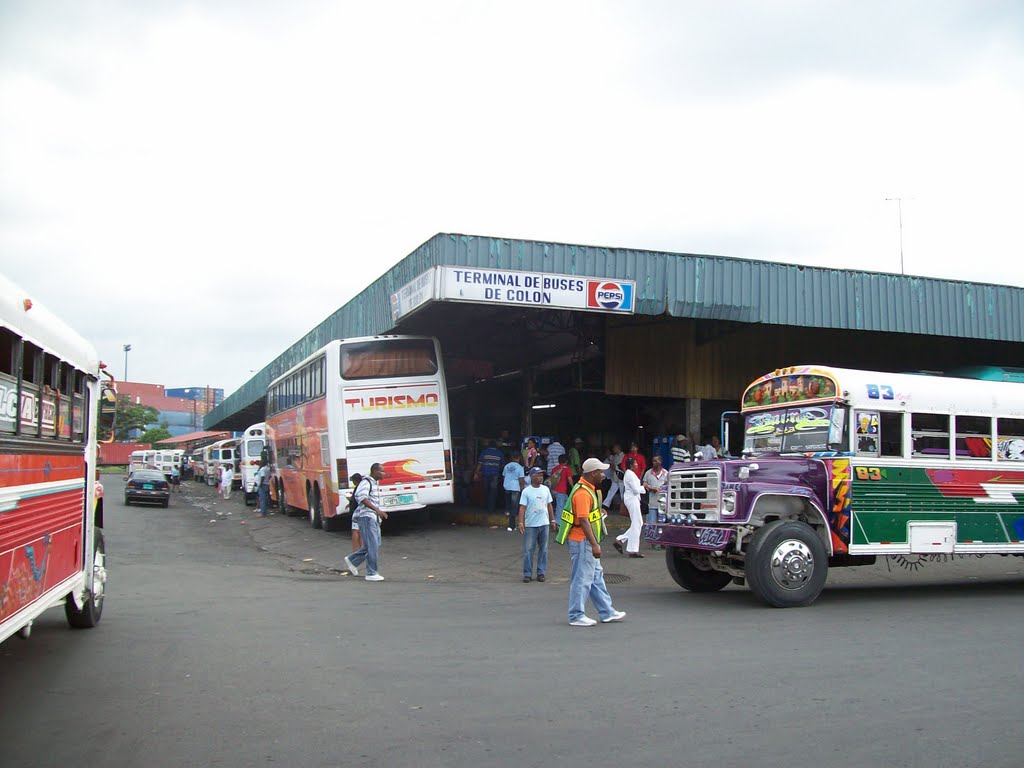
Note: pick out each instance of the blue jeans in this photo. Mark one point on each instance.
(369, 528)
(560, 499)
(535, 537)
(587, 580)
(263, 492)
(512, 507)
(490, 491)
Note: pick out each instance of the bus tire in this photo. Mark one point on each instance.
(282, 500)
(689, 576)
(91, 612)
(313, 504)
(787, 564)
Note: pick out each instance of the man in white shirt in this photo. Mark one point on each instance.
(369, 514)
(227, 477)
(615, 466)
(709, 451)
(536, 517)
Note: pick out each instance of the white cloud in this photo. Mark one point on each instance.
(207, 181)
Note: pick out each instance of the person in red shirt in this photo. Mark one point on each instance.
(634, 453)
(560, 482)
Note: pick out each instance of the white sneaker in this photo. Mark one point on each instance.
(354, 570)
(508, 529)
(378, 577)
(582, 621)
(616, 616)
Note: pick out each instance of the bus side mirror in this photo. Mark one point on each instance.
(108, 410)
(745, 471)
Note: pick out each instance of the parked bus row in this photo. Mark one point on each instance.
(54, 402)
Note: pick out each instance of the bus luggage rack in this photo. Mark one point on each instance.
(695, 492)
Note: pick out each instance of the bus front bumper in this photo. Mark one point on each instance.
(705, 537)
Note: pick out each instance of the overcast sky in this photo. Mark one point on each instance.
(208, 180)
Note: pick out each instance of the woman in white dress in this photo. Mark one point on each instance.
(631, 493)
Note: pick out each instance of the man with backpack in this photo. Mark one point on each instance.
(369, 515)
(581, 527)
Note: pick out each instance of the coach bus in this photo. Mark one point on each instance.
(251, 447)
(53, 400)
(354, 403)
(842, 466)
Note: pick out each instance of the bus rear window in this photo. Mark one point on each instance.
(388, 359)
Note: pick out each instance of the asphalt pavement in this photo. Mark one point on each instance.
(229, 640)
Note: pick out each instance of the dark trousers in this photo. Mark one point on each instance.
(512, 507)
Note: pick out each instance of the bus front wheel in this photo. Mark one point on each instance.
(787, 564)
(690, 576)
(91, 611)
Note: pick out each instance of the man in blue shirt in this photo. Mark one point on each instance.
(536, 517)
(488, 468)
(513, 483)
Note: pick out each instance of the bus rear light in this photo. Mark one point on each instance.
(447, 464)
(342, 465)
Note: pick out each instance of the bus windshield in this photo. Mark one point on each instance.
(393, 359)
(796, 429)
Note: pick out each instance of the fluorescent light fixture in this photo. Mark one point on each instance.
(543, 406)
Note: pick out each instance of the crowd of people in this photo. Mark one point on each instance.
(547, 488)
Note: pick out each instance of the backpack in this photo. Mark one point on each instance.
(353, 505)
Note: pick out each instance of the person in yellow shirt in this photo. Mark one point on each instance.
(583, 533)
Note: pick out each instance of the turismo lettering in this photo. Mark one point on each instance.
(388, 402)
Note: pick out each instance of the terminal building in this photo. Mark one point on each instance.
(615, 345)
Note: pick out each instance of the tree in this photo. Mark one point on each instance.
(133, 417)
(154, 435)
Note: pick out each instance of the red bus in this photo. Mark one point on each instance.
(357, 402)
(52, 402)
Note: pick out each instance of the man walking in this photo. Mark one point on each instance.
(369, 514)
(513, 481)
(575, 462)
(488, 468)
(263, 488)
(535, 518)
(582, 528)
(227, 477)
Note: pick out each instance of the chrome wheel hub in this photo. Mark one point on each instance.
(792, 564)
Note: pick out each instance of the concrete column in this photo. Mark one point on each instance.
(693, 417)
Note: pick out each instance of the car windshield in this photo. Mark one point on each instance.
(807, 429)
(147, 474)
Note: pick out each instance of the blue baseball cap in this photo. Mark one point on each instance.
(536, 471)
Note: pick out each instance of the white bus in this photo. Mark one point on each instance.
(356, 402)
(251, 446)
(160, 460)
(217, 455)
(52, 401)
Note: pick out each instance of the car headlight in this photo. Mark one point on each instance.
(729, 502)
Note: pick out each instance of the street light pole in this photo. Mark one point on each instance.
(127, 349)
(899, 203)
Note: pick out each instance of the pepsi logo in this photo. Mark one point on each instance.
(608, 294)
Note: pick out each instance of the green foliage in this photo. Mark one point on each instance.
(155, 435)
(133, 416)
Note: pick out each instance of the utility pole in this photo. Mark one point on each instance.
(899, 204)
(127, 349)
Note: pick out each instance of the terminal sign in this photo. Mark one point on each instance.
(514, 287)
(494, 286)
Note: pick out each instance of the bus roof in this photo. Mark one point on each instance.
(338, 343)
(31, 320)
(884, 391)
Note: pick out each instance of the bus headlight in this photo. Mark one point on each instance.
(729, 503)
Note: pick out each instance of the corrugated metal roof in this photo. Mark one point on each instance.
(686, 285)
